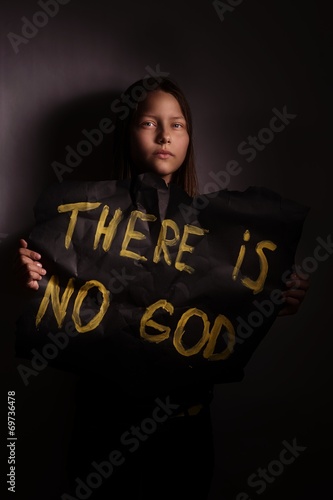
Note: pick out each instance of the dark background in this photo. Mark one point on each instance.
(263, 55)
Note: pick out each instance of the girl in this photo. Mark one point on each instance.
(154, 134)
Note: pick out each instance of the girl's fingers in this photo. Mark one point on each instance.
(35, 268)
(23, 243)
(296, 294)
(27, 267)
(32, 275)
(297, 282)
(33, 285)
(292, 301)
(291, 306)
(26, 252)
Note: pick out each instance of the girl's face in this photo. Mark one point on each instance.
(159, 137)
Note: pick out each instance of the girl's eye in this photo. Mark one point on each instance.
(178, 125)
(147, 124)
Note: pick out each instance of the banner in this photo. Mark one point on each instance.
(149, 286)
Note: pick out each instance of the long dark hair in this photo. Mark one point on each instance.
(122, 166)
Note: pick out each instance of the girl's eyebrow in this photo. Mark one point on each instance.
(156, 117)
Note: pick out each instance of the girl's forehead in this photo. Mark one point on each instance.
(159, 101)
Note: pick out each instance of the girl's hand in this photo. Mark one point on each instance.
(294, 296)
(28, 270)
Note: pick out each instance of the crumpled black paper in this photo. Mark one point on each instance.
(186, 302)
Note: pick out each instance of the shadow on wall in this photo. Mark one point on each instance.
(77, 138)
(75, 142)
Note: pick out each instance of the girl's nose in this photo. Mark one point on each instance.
(164, 138)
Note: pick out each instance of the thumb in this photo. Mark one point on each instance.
(23, 243)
